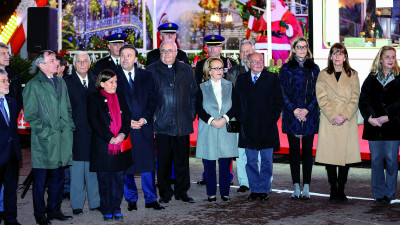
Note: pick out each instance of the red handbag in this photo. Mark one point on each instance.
(126, 144)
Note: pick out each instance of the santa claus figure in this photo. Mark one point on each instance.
(284, 29)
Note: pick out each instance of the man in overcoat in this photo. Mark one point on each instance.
(140, 94)
(176, 91)
(10, 151)
(80, 85)
(49, 113)
(112, 61)
(261, 103)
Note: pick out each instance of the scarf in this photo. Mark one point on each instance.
(384, 80)
(115, 123)
(301, 62)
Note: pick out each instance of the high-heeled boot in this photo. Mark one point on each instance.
(296, 191)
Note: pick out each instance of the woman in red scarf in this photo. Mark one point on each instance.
(110, 119)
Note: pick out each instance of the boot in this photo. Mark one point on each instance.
(341, 195)
(296, 191)
(305, 195)
(334, 193)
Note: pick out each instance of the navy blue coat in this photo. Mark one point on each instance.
(142, 104)
(260, 108)
(83, 132)
(298, 87)
(9, 139)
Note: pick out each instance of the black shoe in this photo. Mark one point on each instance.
(386, 200)
(243, 189)
(66, 195)
(132, 206)
(118, 217)
(43, 221)
(212, 198)
(2, 216)
(202, 181)
(343, 197)
(264, 197)
(77, 211)
(225, 198)
(232, 182)
(59, 216)
(185, 198)
(253, 196)
(95, 209)
(378, 201)
(108, 218)
(15, 223)
(155, 205)
(164, 200)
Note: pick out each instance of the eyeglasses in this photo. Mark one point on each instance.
(3, 81)
(217, 68)
(169, 51)
(254, 62)
(299, 47)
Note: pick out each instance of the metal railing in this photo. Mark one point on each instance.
(114, 21)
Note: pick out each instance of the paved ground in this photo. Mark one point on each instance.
(280, 209)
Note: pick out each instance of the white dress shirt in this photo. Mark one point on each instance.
(81, 79)
(217, 88)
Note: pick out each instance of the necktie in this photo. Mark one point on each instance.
(255, 79)
(3, 110)
(84, 84)
(130, 80)
(117, 62)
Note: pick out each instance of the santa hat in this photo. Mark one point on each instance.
(281, 2)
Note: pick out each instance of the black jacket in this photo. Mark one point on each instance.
(105, 63)
(199, 68)
(15, 88)
(154, 55)
(78, 96)
(100, 120)
(176, 98)
(9, 139)
(234, 72)
(376, 100)
(260, 108)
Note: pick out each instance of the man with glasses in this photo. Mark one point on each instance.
(176, 91)
(10, 151)
(261, 101)
(48, 111)
(112, 61)
(214, 48)
(167, 33)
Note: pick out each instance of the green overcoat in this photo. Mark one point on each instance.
(48, 111)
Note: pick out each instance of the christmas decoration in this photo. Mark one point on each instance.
(211, 5)
(69, 41)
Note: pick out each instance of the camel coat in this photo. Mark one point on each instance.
(338, 145)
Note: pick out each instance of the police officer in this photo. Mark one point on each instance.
(167, 32)
(112, 61)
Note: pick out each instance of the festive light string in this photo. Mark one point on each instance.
(9, 29)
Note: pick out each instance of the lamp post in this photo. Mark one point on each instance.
(217, 18)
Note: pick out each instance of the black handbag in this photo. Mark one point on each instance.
(233, 127)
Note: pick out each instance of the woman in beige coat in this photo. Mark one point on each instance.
(337, 92)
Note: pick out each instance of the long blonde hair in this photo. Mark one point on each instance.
(295, 42)
(377, 65)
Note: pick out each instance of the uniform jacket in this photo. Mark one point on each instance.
(199, 68)
(298, 87)
(142, 103)
(376, 101)
(338, 145)
(100, 120)
(48, 111)
(105, 63)
(154, 55)
(78, 96)
(260, 108)
(176, 99)
(234, 72)
(9, 139)
(213, 143)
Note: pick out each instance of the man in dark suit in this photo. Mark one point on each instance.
(261, 102)
(167, 33)
(112, 61)
(10, 151)
(80, 84)
(214, 48)
(140, 94)
(176, 91)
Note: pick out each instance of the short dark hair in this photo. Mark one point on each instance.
(104, 76)
(126, 46)
(3, 71)
(3, 45)
(62, 60)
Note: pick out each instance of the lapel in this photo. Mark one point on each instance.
(46, 84)
(13, 111)
(225, 94)
(3, 120)
(160, 69)
(78, 84)
(210, 91)
(338, 87)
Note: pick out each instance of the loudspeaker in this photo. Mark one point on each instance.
(42, 29)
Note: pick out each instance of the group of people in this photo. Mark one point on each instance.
(102, 124)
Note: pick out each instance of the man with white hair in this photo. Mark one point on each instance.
(176, 91)
(80, 84)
